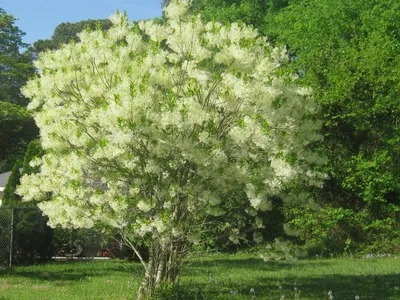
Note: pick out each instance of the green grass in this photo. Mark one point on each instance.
(347, 278)
(71, 280)
(213, 277)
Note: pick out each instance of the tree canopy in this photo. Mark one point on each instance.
(149, 128)
(348, 52)
(16, 125)
(355, 75)
(15, 66)
(67, 32)
(17, 128)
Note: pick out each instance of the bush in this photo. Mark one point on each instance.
(9, 197)
(33, 151)
(326, 231)
(282, 249)
(332, 230)
(32, 237)
(5, 221)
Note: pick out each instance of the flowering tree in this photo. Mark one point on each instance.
(150, 127)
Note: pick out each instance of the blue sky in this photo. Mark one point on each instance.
(39, 18)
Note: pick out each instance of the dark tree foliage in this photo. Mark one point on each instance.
(15, 67)
(32, 237)
(251, 12)
(17, 128)
(235, 232)
(11, 199)
(33, 151)
(67, 32)
(348, 52)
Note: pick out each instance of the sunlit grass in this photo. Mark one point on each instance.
(240, 276)
(71, 280)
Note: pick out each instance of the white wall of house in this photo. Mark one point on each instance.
(3, 181)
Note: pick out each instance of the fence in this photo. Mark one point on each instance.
(6, 236)
(25, 238)
(24, 235)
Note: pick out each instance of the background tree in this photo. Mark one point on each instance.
(149, 128)
(16, 126)
(355, 78)
(10, 199)
(32, 237)
(347, 52)
(251, 12)
(67, 32)
(33, 152)
(15, 67)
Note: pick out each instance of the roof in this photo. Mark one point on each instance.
(4, 179)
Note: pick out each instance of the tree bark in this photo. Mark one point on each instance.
(164, 265)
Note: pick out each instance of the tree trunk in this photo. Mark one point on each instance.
(164, 265)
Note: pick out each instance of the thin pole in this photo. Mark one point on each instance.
(11, 236)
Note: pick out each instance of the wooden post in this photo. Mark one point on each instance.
(11, 237)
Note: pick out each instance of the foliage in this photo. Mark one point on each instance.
(282, 249)
(251, 12)
(15, 67)
(347, 51)
(256, 13)
(32, 237)
(149, 127)
(7, 164)
(356, 86)
(68, 32)
(327, 231)
(332, 231)
(9, 196)
(17, 128)
(34, 151)
(357, 89)
(242, 231)
(379, 246)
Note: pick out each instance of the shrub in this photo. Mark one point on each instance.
(32, 237)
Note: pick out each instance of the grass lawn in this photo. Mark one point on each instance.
(240, 276)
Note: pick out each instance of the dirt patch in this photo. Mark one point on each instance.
(39, 287)
(4, 286)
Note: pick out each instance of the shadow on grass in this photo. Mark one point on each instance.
(379, 287)
(383, 287)
(248, 264)
(224, 278)
(247, 278)
(70, 271)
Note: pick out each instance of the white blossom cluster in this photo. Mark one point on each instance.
(147, 126)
